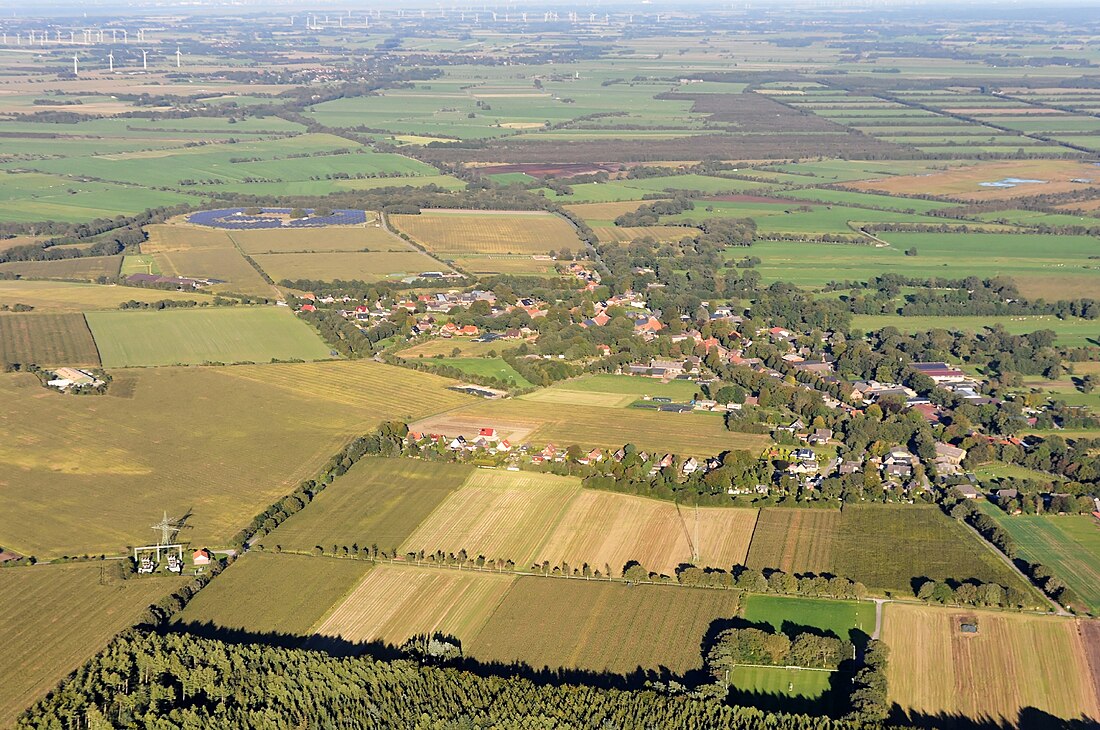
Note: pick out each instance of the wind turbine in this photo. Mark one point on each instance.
(178, 56)
(76, 65)
(144, 60)
(111, 59)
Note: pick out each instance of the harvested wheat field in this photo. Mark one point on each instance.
(601, 626)
(184, 250)
(794, 540)
(602, 528)
(393, 603)
(1013, 662)
(498, 514)
(457, 232)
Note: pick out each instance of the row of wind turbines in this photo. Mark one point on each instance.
(90, 36)
(111, 61)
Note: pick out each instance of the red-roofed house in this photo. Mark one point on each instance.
(202, 556)
(308, 308)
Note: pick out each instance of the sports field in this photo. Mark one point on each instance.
(53, 618)
(377, 502)
(600, 626)
(57, 457)
(563, 424)
(267, 593)
(1067, 544)
(46, 339)
(195, 336)
(393, 603)
(496, 232)
(849, 620)
(1040, 662)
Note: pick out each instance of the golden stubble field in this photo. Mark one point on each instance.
(459, 232)
(393, 602)
(92, 473)
(54, 618)
(186, 250)
(1014, 662)
(530, 518)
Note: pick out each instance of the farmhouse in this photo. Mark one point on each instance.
(940, 372)
(65, 378)
(202, 556)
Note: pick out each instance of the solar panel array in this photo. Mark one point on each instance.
(236, 219)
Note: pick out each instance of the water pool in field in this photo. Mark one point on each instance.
(1011, 182)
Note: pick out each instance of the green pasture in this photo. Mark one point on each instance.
(32, 197)
(1051, 267)
(486, 367)
(1068, 544)
(1071, 332)
(848, 620)
(195, 336)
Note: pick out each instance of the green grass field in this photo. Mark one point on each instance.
(849, 620)
(195, 336)
(378, 502)
(1071, 332)
(285, 594)
(46, 339)
(486, 367)
(53, 618)
(1068, 544)
(1051, 267)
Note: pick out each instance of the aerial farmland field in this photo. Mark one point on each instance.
(1067, 544)
(194, 251)
(313, 240)
(603, 528)
(497, 514)
(378, 501)
(564, 424)
(63, 296)
(298, 591)
(393, 603)
(54, 618)
(464, 232)
(56, 457)
(89, 268)
(794, 540)
(195, 336)
(1040, 662)
(884, 547)
(47, 339)
(601, 626)
(363, 266)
